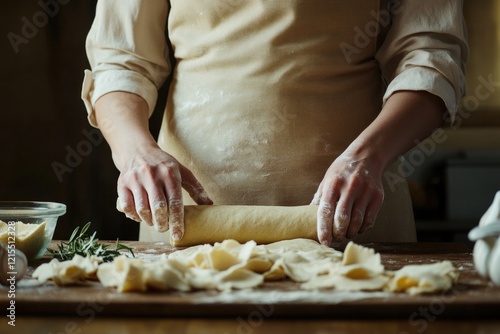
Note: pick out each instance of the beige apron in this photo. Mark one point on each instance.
(263, 100)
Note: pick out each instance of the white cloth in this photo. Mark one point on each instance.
(265, 94)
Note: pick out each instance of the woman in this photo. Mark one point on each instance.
(273, 103)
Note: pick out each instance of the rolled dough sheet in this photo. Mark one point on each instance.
(263, 224)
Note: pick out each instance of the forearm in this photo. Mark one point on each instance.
(407, 117)
(123, 119)
(150, 182)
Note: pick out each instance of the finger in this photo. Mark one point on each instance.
(372, 212)
(194, 187)
(342, 217)
(154, 187)
(173, 184)
(142, 206)
(160, 215)
(125, 203)
(315, 200)
(325, 222)
(355, 223)
(328, 203)
(357, 214)
(134, 199)
(176, 219)
(348, 219)
(317, 195)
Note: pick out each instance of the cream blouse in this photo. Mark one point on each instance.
(265, 94)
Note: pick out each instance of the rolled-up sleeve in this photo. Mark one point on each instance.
(127, 51)
(426, 50)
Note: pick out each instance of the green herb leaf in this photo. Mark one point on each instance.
(84, 245)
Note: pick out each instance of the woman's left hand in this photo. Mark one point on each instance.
(351, 192)
(349, 198)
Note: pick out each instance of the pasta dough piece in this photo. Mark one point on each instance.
(259, 265)
(220, 256)
(424, 278)
(238, 278)
(263, 224)
(165, 276)
(360, 262)
(135, 275)
(301, 259)
(361, 269)
(123, 273)
(68, 272)
(344, 283)
(299, 266)
(276, 272)
(311, 247)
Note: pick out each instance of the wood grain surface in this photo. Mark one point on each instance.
(472, 306)
(472, 297)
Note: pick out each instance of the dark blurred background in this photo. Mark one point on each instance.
(49, 152)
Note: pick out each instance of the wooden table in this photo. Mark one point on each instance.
(472, 306)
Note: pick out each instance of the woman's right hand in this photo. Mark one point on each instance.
(151, 181)
(150, 190)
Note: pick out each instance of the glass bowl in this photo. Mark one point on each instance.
(31, 240)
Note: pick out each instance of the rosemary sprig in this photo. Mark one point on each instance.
(84, 245)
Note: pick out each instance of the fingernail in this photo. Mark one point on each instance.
(205, 198)
(133, 217)
(176, 236)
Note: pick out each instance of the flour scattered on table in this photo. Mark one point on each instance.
(302, 296)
